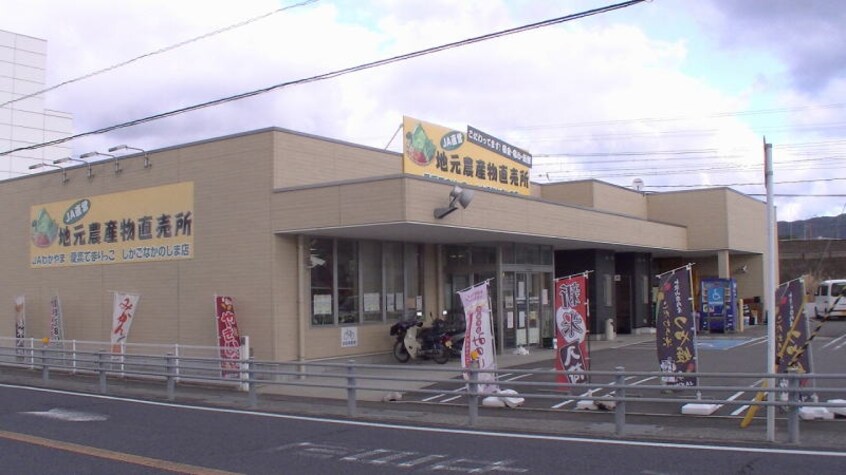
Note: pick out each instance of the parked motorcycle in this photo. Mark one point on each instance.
(415, 342)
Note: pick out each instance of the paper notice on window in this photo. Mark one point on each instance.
(322, 304)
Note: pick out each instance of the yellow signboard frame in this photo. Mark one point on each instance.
(471, 157)
(149, 224)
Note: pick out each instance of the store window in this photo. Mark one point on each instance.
(394, 281)
(355, 282)
(347, 282)
(322, 281)
(370, 265)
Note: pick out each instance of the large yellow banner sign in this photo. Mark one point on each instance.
(474, 157)
(150, 224)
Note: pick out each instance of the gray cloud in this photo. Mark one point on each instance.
(807, 35)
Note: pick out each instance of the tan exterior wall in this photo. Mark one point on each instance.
(303, 160)
(596, 195)
(341, 205)
(413, 200)
(579, 193)
(246, 241)
(747, 223)
(703, 212)
(615, 199)
(233, 243)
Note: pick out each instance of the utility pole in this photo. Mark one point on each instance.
(769, 286)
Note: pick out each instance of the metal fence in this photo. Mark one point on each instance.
(614, 391)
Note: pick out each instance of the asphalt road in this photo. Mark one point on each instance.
(48, 432)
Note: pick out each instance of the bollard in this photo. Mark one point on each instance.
(45, 368)
(473, 394)
(793, 409)
(351, 409)
(620, 406)
(251, 383)
(170, 369)
(101, 368)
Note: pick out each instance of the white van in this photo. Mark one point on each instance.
(826, 296)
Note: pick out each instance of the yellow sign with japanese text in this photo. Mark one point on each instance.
(472, 157)
(150, 224)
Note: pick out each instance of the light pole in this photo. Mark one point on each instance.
(147, 163)
(42, 164)
(71, 159)
(95, 153)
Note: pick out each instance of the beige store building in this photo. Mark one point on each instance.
(324, 244)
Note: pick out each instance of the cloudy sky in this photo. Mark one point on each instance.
(677, 93)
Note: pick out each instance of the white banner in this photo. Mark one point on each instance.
(479, 350)
(57, 330)
(123, 312)
(20, 322)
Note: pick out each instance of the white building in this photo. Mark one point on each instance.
(24, 120)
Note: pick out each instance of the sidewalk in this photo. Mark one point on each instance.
(399, 379)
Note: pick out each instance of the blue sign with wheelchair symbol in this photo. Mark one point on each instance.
(716, 295)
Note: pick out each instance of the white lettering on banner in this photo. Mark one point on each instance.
(401, 459)
(155, 252)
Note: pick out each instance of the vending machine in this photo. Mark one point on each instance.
(718, 303)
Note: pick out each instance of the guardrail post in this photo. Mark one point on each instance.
(620, 406)
(101, 369)
(45, 367)
(171, 374)
(351, 396)
(252, 394)
(793, 408)
(473, 394)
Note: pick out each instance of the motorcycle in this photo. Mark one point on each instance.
(411, 342)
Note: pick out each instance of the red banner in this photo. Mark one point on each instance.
(228, 337)
(571, 329)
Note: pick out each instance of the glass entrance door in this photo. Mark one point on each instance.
(523, 308)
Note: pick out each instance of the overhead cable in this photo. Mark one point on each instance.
(333, 74)
(158, 51)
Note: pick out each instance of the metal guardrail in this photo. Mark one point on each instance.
(248, 374)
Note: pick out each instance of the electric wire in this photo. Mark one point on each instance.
(333, 74)
(158, 51)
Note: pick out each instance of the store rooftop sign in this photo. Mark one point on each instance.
(473, 157)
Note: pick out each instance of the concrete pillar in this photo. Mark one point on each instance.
(723, 263)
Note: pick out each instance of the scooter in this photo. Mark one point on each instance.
(411, 343)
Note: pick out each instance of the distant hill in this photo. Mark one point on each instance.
(825, 227)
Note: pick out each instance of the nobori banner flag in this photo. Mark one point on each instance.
(479, 338)
(676, 329)
(20, 321)
(571, 329)
(123, 313)
(57, 331)
(791, 328)
(228, 336)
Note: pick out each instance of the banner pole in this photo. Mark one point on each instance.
(583, 273)
(476, 285)
(695, 323)
(688, 265)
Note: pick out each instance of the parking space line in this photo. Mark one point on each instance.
(835, 341)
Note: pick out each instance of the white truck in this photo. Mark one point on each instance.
(830, 298)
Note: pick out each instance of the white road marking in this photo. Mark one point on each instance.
(442, 430)
(834, 341)
(68, 415)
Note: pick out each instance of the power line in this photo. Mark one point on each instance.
(158, 51)
(333, 74)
